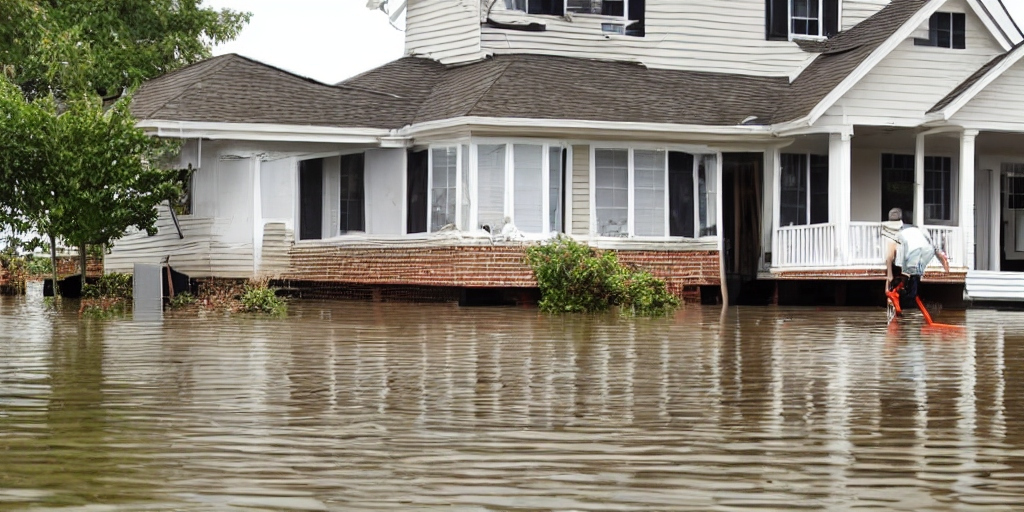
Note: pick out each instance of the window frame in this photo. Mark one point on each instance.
(819, 20)
(699, 155)
(953, 192)
(472, 145)
(956, 42)
(807, 173)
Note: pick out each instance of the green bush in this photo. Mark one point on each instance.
(113, 285)
(38, 265)
(573, 278)
(258, 298)
(182, 299)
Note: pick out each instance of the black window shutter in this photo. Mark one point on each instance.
(416, 194)
(311, 199)
(830, 18)
(776, 20)
(680, 194)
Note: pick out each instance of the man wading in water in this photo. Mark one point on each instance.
(918, 252)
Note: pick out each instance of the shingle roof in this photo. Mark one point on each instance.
(411, 90)
(971, 80)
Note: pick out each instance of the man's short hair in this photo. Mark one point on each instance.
(896, 214)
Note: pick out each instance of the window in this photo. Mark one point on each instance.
(898, 184)
(651, 193)
(785, 19)
(417, 173)
(517, 183)
(352, 194)
(311, 199)
(630, 10)
(443, 185)
(946, 30)
(1013, 185)
(803, 195)
(937, 177)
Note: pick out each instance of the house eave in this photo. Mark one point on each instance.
(265, 132)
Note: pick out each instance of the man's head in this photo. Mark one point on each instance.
(896, 214)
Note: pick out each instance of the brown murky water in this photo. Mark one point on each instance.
(352, 406)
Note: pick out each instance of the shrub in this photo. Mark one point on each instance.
(112, 286)
(258, 298)
(38, 265)
(182, 300)
(573, 278)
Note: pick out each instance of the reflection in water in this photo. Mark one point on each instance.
(374, 406)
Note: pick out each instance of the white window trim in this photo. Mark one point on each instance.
(807, 193)
(698, 156)
(565, 9)
(821, 22)
(509, 184)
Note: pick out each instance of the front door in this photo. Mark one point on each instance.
(741, 215)
(1013, 218)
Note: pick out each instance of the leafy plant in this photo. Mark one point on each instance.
(182, 300)
(574, 278)
(112, 286)
(259, 298)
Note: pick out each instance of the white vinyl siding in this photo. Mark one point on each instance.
(1000, 106)
(445, 30)
(580, 190)
(708, 35)
(853, 12)
(912, 79)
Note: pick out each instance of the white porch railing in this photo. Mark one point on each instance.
(867, 247)
(806, 246)
(817, 245)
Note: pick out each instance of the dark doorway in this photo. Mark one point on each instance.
(741, 218)
(311, 199)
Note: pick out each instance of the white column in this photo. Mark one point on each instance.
(995, 203)
(776, 204)
(839, 156)
(967, 147)
(919, 181)
(771, 168)
(257, 216)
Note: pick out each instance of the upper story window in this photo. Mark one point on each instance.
(631, 11)
(786, 19)
(946, 30)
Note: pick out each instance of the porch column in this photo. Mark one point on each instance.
(839, 155)
(257, 215)
(995, 232)
(919, 181)
(967, 140)
(768, 207)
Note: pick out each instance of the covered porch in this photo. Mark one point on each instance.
(830, 194)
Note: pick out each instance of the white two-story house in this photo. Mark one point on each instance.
(712, 141)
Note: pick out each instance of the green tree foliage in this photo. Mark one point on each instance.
(106, 46)
(573, 278)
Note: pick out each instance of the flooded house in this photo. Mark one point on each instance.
(755, 144)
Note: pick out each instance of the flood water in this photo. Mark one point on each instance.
(355, 406)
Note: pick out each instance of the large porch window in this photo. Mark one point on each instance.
(898, 186)
(803, 190)
(654, 193)
(490, 185)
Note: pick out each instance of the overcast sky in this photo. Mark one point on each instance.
(331, 40)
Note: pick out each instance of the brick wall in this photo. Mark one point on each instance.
(68, 265)
(497, 266)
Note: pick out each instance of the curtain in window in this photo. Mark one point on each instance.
(649, 193)
(555, 190)
(464, 189)
(442, 187)
(529, 187)
(491, 186)
(707, 191)
(680, 194)
(611, 188)
(352, 194)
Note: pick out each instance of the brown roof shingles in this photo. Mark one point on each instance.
(971, 80)
(234, 89)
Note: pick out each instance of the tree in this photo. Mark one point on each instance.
(106, 46)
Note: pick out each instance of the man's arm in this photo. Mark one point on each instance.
(942, 257)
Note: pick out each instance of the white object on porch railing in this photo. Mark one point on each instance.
(867, 246)
(950, 240)
(806, 246)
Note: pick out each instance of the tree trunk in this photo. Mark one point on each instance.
(82, 264)
(53, 264)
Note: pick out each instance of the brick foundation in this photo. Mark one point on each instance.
(490, 266)
(953, 277)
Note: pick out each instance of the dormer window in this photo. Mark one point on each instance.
(789, 19)
(631, 12)
(946, 30)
